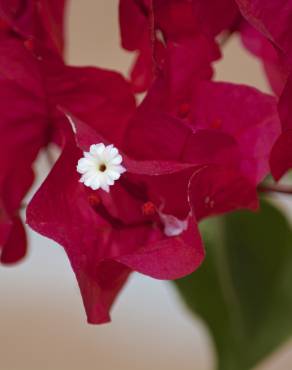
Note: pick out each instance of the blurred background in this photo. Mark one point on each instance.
(43, 324)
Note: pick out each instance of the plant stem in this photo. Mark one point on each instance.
(271, 188)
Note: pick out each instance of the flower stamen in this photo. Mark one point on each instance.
(102, 167)
(148, 209)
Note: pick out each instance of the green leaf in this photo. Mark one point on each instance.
(243, 290)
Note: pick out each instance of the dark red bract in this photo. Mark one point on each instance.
(173, 27)
(37, 22)
(261, 14)
(275, 67)
(278, 31)
(108, 235)
(33, 82)
(24, 125)
(281, 156)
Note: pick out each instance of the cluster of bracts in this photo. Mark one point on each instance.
(193, 148)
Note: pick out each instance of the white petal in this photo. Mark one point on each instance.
(105, 187)
(84, 164)
(97, 149)
(120, 169)
(109, 153)
(89, 180)
(113, 174)
(95, 183)
(114, 152)
(109, 180)
(117, 159)
(87, 155)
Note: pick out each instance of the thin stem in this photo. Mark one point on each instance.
(271, 188)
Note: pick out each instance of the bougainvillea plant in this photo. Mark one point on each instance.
(177, 187)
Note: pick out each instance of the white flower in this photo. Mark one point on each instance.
(100, 167)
